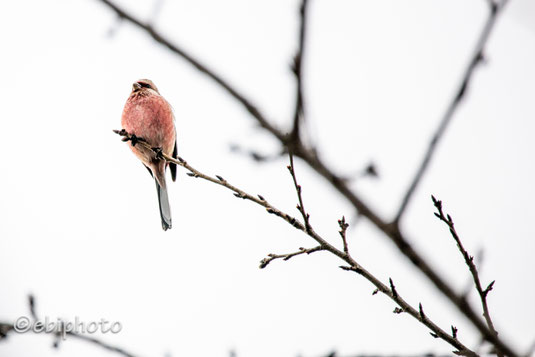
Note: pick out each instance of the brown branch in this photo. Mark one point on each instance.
(323, 243)
(343, 228)
(476, 58)
(300, 206)
(404, 307)
(391, 230)
(297, 66)
(264, 262)
(469, 260)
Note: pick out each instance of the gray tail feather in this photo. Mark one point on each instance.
(165, 209)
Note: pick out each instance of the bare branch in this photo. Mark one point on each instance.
(469, 260)
(475, 60)
(343, 228)
(392, 231)
(454, 331)
(264, 262)
(393, 288)
(300, 206)
(297, 66)
(403, 306)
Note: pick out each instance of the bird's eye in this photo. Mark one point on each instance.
(144, 85)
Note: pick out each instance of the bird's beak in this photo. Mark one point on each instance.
(135, 87)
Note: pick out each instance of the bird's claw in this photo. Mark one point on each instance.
(135, 139)
(159, 153)
(129, 137)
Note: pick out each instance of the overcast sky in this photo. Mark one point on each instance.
(79, 223)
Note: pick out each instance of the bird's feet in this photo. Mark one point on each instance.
(159, 153)
(135, 139)
(129, 137)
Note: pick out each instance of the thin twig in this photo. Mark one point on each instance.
(322, 242)
(476, 58)
(391, 230)
(469, 260)
(297, 66)
(343, 228)
(300, 206)
(264, 262)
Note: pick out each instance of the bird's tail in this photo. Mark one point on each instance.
(165, 209)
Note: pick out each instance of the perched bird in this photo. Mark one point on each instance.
(148, 116)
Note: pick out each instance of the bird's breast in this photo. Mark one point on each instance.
(151, 118)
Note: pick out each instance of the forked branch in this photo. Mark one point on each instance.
(323, 244)
(469, 260)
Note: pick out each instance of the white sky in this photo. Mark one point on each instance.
(79, 219)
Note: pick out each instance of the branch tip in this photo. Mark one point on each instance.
(393, 288)
(454, 331)
(422, 314)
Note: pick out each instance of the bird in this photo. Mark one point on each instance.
(149, 117)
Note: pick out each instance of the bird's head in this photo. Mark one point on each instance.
(144, 86)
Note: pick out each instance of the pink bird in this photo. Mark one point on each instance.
(148, 116)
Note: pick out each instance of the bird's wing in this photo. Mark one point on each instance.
(172, 166)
